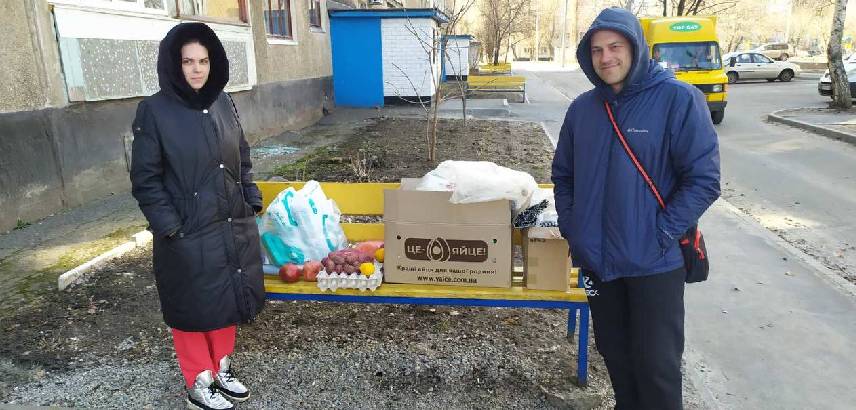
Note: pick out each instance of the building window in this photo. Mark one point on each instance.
(145, 6)
(221, 11)
(315, 13)
(278, 18)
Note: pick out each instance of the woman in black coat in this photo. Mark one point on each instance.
(191, 175)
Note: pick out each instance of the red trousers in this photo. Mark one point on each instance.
(200, 351)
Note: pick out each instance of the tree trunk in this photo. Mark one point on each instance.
(841, 98)
(464, 109)
(428, 136)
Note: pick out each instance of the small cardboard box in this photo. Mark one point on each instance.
(429, 240)
(546, 258)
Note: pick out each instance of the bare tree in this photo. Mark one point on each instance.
(695, 7)
(432, 45)
(841, 97)
(500, 19)
(633, 6)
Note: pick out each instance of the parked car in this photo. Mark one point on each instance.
(776, 51)
(824, 85)
(750, 65)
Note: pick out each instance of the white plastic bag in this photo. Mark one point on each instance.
(306, 222)
(481, 181)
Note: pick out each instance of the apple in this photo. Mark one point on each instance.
(310, 270)
(289, 273)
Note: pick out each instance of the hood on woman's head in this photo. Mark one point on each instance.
(170, 75)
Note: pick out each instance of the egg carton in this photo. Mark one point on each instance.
(333, 281)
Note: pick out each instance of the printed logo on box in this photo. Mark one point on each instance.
(445, 250)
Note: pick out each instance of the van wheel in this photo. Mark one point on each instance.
(784, 57)
(786, 75)
(732, 77)
(717, 116)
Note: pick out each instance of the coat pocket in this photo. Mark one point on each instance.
(187, 211)
(177, 265)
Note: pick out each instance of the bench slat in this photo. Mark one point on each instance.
(275, 285)
(358, 232)
(352, 198)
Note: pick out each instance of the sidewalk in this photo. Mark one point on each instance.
(34, 256)
(771, 328)
(827, 122)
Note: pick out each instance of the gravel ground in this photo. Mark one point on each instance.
(103, 344)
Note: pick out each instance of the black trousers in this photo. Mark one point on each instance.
(639, 331)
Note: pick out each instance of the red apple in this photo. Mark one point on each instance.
(310, 270)
(289, 273)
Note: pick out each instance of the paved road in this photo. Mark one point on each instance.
(774, 326)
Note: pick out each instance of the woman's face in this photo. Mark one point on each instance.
(195, 65)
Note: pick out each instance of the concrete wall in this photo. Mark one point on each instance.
(61, 157)
(306, 56)
(30, 74)
(58, 158)
(407, 65)
(271, 108)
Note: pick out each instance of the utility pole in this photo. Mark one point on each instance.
(564, 29)
(537, 33)
(790, 9)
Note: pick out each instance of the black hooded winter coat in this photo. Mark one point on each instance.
(191, 175)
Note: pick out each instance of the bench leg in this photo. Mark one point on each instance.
(582, 347)
(572, 321)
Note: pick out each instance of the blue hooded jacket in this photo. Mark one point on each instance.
(612, 220)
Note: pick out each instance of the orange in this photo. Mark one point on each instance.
(367, 268)
(379, 255)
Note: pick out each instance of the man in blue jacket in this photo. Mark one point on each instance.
(626, 246)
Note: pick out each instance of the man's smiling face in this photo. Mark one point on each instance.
(611, 56)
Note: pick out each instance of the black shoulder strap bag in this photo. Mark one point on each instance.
(692, 243)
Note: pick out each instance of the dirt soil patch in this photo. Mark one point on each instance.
(395, 148)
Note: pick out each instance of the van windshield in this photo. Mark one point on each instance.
(688, 56)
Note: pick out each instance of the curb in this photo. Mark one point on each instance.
(817, 129)
(137, 240)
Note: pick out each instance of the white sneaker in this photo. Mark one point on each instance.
(204, 395)
(231, 387)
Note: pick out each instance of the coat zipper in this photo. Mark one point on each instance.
(603, 242)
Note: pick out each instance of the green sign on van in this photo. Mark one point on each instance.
(685, 26)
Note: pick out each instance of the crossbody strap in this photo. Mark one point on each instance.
(632, 156)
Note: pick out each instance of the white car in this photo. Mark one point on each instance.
(776, 51)
(756, 66)
(824, 86)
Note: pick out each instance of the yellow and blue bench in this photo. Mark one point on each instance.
(367, 199)
(499, 68)
(497, 83)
